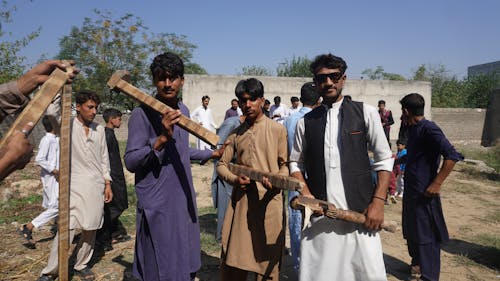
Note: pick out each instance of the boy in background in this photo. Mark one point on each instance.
(112, 230)
(48, 159)
(400, 168)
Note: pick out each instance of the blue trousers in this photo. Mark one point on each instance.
(428, 256)
(295, 227)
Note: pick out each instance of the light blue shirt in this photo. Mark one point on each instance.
(291, 124)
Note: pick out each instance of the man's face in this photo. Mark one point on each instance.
(295, 104)
(381, 106)
(87, 111)
(205, 102)
(168, 87)
(234, 105)
(116, 122)
(329, 83)
(267, 106)
(251, 107)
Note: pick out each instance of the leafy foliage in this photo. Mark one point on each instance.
(104, 45)
(380, 74)
(297, 67)
(11, 63)
(255, 70)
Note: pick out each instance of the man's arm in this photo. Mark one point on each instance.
(16, 153)
(383, 164)
(435, 188)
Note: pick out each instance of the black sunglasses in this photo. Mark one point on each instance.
(334, 76)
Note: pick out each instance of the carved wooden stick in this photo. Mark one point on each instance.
(278, 181)
(117, 82)
(64, 183)
(39, 103)
(329, 209)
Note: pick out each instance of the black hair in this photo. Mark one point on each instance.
(234, 100)
(83, 96)
(277, 99)
(401, 141)
(327, 61)
(308, 94)
(267, 101)
(294, 99)
(251, 86)
(414, 103)
(166, 65)
(47, 123)
(111, 113)
(204, 98)
(381, 102)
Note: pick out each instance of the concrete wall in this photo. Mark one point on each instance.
(221, 91)
(460, 124)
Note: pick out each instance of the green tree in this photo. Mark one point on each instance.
(380, 74)
(479, 87)
(296, 67)
(11, 63)
(104, 45)
(255, 70)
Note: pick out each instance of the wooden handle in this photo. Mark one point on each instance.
(278, 181)
(38, 104)
(331, 211)
(117, 82)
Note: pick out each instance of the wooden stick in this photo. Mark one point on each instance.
(278, 181)
(38, 104)
(117, 82)
(331, 211)
(64, 183)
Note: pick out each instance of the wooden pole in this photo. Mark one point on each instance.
(278, 181)
(64, 183)
(117, 82)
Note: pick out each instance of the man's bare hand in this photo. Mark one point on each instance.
(40, 73)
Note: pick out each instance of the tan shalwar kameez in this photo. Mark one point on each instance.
(253, 235)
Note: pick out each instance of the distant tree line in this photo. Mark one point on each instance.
(104, 44)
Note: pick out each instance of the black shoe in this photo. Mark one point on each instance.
(121, 238)
(85, 274)
(45, 278)
(27, 234)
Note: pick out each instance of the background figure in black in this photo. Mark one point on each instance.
(112, 230)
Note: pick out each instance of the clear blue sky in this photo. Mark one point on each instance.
(399, 35)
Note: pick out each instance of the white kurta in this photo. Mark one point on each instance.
(48, 159)
(204, 116)
(89, 170)
(338, 250)
(282, 110)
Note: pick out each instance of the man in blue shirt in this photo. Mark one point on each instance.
(424, 227)
(310, 99)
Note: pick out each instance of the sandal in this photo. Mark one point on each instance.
(85, 274)
(26, 234)
(45, 277)
(121, 238)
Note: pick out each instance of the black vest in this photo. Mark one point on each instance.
(354, 161)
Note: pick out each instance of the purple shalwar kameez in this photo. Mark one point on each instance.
(167, 230)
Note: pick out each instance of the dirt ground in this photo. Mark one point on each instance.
(470, 203)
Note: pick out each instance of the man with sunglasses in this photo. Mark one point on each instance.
(330, 155)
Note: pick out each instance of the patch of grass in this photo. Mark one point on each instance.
(463, 188)
(493, 217)
(26, 176)
(21, 210)
(128, 216)
(490, 156)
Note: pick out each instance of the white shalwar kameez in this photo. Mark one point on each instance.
(204, 116)
(334, 249)
(48, 159)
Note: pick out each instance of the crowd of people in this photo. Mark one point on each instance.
(332, 144)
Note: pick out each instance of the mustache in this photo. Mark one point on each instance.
(167, 89)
